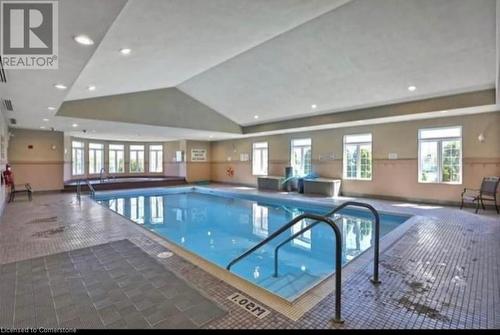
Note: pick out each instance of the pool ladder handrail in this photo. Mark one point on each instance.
(102, 176)
(375, 279)
(79, 190)
(338, 253)
(91, 188)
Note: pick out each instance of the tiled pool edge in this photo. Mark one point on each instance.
(305, 300)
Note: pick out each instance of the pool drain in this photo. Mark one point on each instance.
(166, 254)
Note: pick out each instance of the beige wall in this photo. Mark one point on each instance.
(170, 166)
(42, 166)
(391, 178)
(198, 171)
(46, 169)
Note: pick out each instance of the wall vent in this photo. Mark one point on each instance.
(3, 77)
(8, 105)
(13, 121)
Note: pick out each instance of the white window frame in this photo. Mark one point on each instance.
(117, 205)
(74, 152)
(155, 159)
(440, 141)
(122, 150)
(303, 241)
(156, 210)
(260, 224)
(93, 152)
(302, 147)
(136, 153)
(137, 209)
(260, 149)
(358, 163)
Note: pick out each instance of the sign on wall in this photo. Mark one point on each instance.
(199, 155)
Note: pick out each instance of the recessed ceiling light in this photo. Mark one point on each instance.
(314, 106)
(45, 120)
(211, 136)
(412, 88)
(83, 39)
(91, 87)
(60, 86)
(51, 108)
(256, 117)
(74, 125)
(125, 51)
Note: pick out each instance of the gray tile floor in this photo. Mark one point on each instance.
(113, 285)
(443, 273)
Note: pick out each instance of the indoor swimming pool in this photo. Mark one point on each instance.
(219, 227)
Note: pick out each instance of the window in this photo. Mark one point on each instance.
(156, 158)
(78, 158)
(358, 157)
(137, 210)
(301, 157)
(440, 155)
(260, 217)
(117, 205)
(303, 241)
(116, 158)
(96, 157)
(156, 205)
(136, 158)
(259, 159)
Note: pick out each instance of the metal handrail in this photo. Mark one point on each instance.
(79, 190)
(375, 278)
(91, 189)
(376, 246)
(101, 175)
(338, 253)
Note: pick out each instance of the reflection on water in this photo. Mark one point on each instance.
(304, 240)
(117, 205)
(156, 204)
(137, 210)
(221, 228)
(357, 233)
(260, 220)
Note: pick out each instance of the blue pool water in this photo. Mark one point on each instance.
(219, 227)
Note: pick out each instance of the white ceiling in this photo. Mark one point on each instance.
(121, 131)
(362, 54)
(272, 58)
(174, 40)
(32, 91)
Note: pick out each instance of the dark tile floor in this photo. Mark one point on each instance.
(114, 285)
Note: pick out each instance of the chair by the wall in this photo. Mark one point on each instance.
(487, 192)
